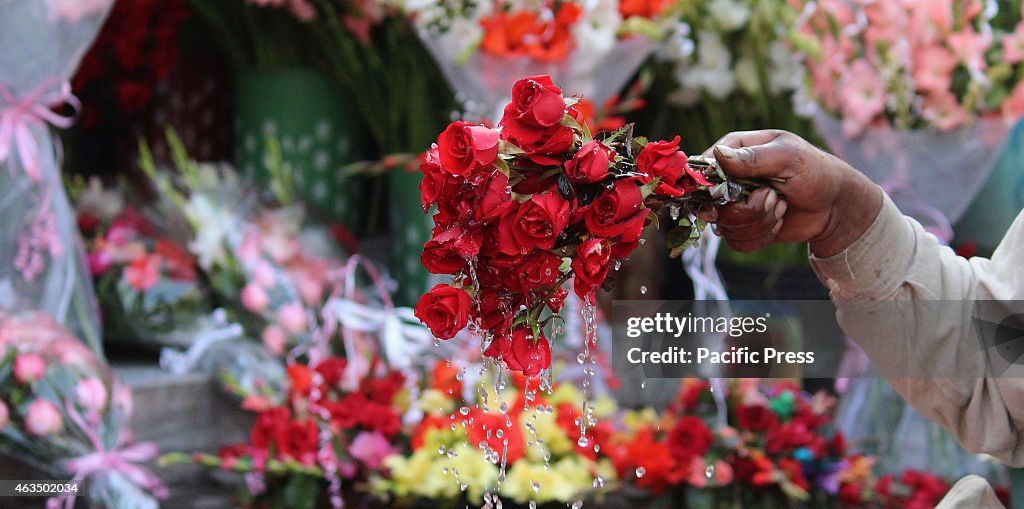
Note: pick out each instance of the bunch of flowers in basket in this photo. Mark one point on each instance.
(912, 64)
(260, 260)
(64, 413)
(775, 445)
(327, 430)
(518, 443)
(526, 206)
(146, 280)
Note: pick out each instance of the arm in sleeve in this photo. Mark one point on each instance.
(908, 301)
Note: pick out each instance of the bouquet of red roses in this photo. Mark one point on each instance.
(526, 206)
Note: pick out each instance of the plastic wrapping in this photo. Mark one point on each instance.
(63, 411)
(40, 257)
(483, 81)
(932, 176)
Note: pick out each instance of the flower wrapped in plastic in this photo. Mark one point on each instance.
(40, 259)
(590, 47)
(63, 412)
(146, 280)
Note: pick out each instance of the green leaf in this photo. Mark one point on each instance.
(506, 148)
(300, 492)
(655, 221)
(648, 188)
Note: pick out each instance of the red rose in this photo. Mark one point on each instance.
(664, 159)
(490, 201)
(538, 222)
(466, 148)
(617, 212)
(590, 164)
(331, 370)
(851, 493)
(437, 185)
(444, 310)
(267, 425)
(299, 441)
(557, 299)
(690, 437)
(532, 121)
(484, 427)
(500, 346)
(445, 378)
(590, 267)
(440, 258)
(538, 270)
(788, 437)
(756, 417)
(535, 101)
(526, 353)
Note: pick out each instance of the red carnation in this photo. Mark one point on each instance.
(444, 310)
(690, 437)
(590, 266)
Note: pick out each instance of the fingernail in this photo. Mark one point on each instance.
(777, 228)
(780, 210)
(726, 151)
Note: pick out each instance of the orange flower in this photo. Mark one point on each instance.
(523, 33)
(301, 378)
(644, 8)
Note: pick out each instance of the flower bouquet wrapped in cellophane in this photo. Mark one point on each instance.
(63, 412)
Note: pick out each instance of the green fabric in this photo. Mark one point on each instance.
(1000, 200)
(318, 133)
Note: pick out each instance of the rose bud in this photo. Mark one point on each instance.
(618, 212)
(590, 164)
(444, 310)
(42, 418)
(664, 159)
(29, 367)
(528, 354)
(590, 267)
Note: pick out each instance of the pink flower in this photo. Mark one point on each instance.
(723, 473)
(42, 418)
(943, 111)
(254, 297)
(887, 23)
(1013, 106)
(29, 367)
(99, 262)
(970, 47)
(310, 284)
(274, 338)
(292, 317)
(697, 472)
(74, 10)
(144, 272)
(249, 249)
(931, 20)
(123, 399)
(91, 394)
(862, 97)
(264, 274)
(1013, 45)
(933, 68)
(4, 414)
(371, 448)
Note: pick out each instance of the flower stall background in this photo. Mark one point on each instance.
(220, 217)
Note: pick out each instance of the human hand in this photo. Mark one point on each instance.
(818, 198)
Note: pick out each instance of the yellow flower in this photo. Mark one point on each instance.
(565, 393)
(420, 475)
(527, 480)
(435, 402)
(605, 406)
(473, 469)
(637, 419)
(545, 428)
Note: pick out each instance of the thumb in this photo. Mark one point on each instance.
(764, 161)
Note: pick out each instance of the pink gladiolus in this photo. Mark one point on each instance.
(254, 297)
(29, 367)
(371, 448)
(1013, 45)
(942, 110)
(1013, 106)
(91, 394)
(292, 317)
(274, 338)
(970, 47)
(933, 68)
(264, 274)
(4, 414)
(42, 418)
(862, 96)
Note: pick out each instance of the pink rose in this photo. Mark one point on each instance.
(91, 394)
(274, 338)
(371, 448)
(254, 297)
(4, 414)
(42, 418)
(29, 367)
(292, 317)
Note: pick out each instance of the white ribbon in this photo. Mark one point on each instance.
(179, 363)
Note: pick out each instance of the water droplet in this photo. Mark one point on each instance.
(577, 504)
(709, 472)
(597, 448)
(640, 472)
(643, 290)
(599, 482)
(535, 486)
(441, 449)
(642, 241)
(617, 265)
(464, 410)
(673, 212)
(437, 342)
(499, 433)
(459, 376)
(581, 358)
(533, 505)
(582, 442)
(643, 384)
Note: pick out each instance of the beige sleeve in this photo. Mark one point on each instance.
(908, 301)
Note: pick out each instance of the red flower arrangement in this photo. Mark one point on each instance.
(524, 207)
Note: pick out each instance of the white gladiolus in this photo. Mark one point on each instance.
(678, 46)
(731, 15)
(714, 62)
(784, 72)
(211, 225)
(746, 76)
(467, 32)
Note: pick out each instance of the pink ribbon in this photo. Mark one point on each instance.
(19, 115)
(121, 459)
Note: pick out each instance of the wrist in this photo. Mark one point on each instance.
(854, 210)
